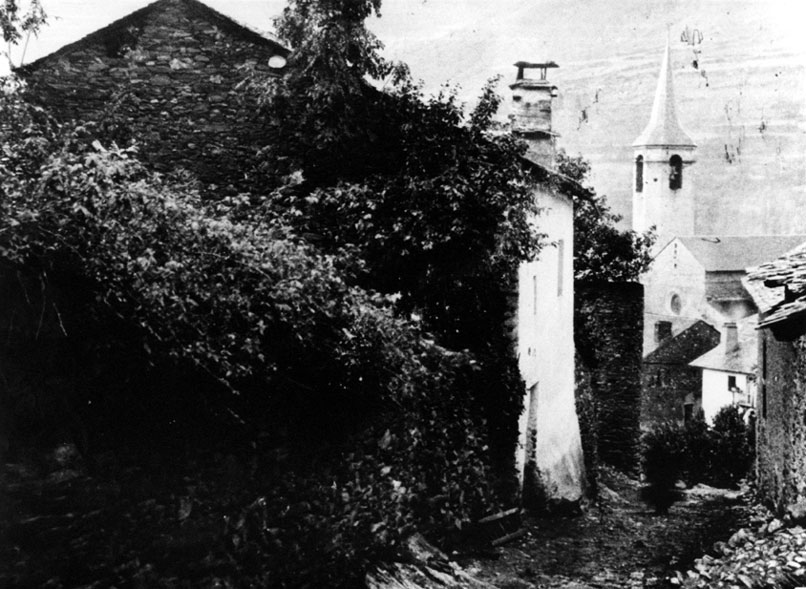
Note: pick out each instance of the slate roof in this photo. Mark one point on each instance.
(194, 7)
(787, 273)
(741, 360)
(735, 253)
(686, 346)
(764, 297)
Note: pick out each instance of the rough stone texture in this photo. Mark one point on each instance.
(668, 382)
(168, 76)
(781, 414)
(609, 336)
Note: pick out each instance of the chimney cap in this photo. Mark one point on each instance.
(532, 65)
(526, 65)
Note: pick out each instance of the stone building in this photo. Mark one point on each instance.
(779, 289)
(694, 276)
(549, 457)
(671, 387)
(168, 77)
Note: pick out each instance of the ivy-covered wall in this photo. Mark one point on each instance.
(608, 327)
(781, 418)
(167, 75)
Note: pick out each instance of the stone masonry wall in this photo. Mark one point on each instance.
(667, 378)
(167, 76)
(609, 335)
(781, 412)
(665, 388)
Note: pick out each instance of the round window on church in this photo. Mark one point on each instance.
(676, 304)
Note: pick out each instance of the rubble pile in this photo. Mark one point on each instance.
(774, 555)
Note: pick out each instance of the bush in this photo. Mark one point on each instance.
(733, 452)
(699, 444)
(376, 416)
(663, 461)
(720, 455)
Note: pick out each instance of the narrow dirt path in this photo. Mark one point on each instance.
(72, 530)
(617, 543)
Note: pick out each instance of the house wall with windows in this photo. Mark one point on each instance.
(720, 389)
(728, 370)
(549, 457)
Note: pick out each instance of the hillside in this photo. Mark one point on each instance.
(743, 104)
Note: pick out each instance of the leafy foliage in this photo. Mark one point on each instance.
(733, 450)
(374, 413)
(718, 455)
(663, 462)
(602, 251)
(435, 202)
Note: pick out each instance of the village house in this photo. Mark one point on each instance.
(170, 76)
(694, 276)
(779, 290)
(671, 386)
(729, 370)
(549, 458)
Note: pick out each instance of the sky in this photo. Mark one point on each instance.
(751, 73)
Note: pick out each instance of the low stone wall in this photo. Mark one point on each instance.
(608, 327)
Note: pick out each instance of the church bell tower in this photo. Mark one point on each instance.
(663, 154)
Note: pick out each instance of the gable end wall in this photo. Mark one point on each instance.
(172, 77)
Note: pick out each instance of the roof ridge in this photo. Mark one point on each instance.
(143, 12)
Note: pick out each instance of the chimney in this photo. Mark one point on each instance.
(731, 337)
(531, 111)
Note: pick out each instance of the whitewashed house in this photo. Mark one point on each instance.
(729, 370)
(549, 456)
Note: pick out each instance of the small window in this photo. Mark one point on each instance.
(731, 383)
(663, 330)
(676, 304)
(675, 172)
(560, 266)
(534, 295)
(639, 173)
(688, 412)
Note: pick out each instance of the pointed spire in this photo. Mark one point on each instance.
(663, 128)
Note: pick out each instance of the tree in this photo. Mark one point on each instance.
(602, 251)
(16, 24)
(436, 203)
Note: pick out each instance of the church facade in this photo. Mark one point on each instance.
(695, 277)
